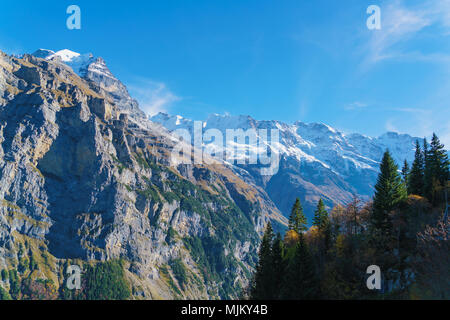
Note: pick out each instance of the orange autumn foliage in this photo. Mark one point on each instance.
(291, 238)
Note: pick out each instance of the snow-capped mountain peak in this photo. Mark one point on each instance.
(95, 69)
(66, 55)
(78, 62)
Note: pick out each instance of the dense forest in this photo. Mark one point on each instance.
(404, 231)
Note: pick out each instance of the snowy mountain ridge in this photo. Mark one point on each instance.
(316, 160)
(311, 141)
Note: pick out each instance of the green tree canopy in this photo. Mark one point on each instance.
(405, 173)
(416, 175)
(436, 168)
(300, 281)
(320, 216)
(278, 264)
(262, 282)
(297, 219)
(389, 192)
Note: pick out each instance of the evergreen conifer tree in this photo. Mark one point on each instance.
(297, 219)
(320, 216)
(389, 192)
(416, 176)
(427, 171)
(439, 161)
(263, 278)
(405, 173)
(278, 266)
(438, 168)
(300, 281)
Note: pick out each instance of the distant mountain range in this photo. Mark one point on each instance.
(316, 160)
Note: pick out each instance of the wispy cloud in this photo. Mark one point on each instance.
(417, 32)
(390, 126)
(355, 106)
(402, 23)
(422, 121)
(412, 110)
(153, 96)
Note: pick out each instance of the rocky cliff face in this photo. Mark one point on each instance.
(84, 177)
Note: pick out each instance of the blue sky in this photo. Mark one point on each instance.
(314, 61)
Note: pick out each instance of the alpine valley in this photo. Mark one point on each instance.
(86, 179)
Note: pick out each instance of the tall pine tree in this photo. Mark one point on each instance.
(405, 173)
(439, 162)
(389, 192)
(437, 168)
(427, 171)
(278, 266)
(322, 222)
(320, 216)
(297, 219)
(300, 280)
(262, 286)
(416, 176)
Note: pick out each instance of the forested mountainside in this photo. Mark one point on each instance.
(401, 237)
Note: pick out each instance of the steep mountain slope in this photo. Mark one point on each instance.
(315, 159)
(94, 69)
(84, 177)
